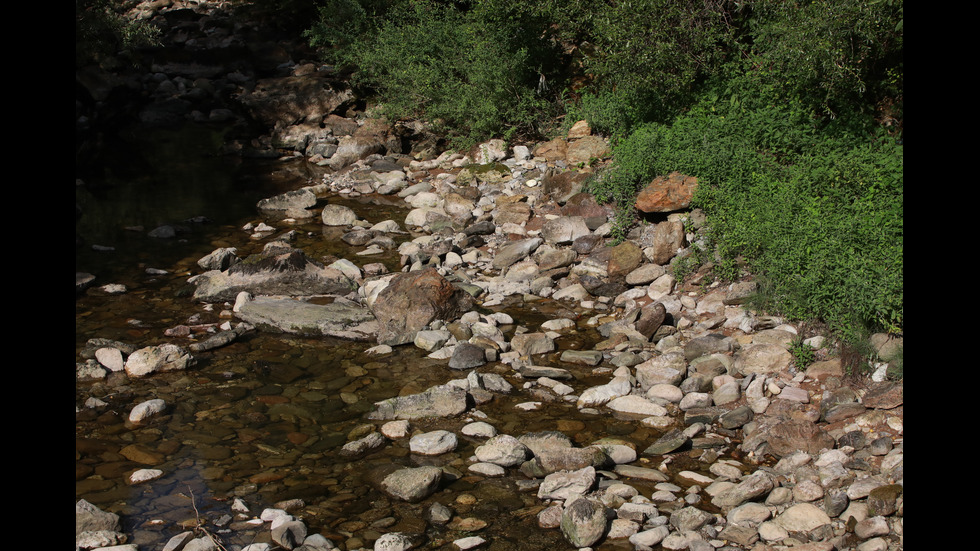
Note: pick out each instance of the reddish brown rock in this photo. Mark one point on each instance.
(141, 454)
(885, 395)
(561, 186)
(798, 435)
(652, 316)
(667, 193)
(414, 299)
(553, 150)
(580, 129)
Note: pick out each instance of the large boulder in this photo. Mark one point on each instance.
(437, 401)
(277, 272)
(337, 319)
(412, 300)
(292, 204)
(280, 102)
(667, 193)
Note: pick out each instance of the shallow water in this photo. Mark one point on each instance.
(264, 418)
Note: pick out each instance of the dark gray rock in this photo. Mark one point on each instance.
(467, 356)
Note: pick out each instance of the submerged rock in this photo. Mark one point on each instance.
(338, 319)
(438, 401)
(278, 272)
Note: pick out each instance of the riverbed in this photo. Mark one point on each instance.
(263, 419)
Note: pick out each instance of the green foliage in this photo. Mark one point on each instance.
(814, 207)
(803, 353)
(648, 57)
(473, 72)
(340, 23)
(101, 32)
(771, 104)
(840, 56)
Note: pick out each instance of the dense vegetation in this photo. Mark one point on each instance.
(788, 112)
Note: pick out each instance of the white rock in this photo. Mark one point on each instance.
(395, 429)
(142, 475)
(469, 543)
(436, 442)
(479, 429)
(146, 409)
(110, 358)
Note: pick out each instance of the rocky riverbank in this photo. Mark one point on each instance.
(788, 455)
(723, 440)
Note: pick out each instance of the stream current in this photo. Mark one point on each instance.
(264, 418)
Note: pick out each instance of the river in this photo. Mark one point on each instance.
(263, 419)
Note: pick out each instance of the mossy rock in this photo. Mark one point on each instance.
(490, 173)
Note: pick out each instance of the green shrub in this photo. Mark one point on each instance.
(471, 71)
(813, 208)
(100, 32)
(803, 353)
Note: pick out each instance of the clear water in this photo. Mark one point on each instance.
(264, 418)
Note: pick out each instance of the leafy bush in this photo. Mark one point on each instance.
(814, 208)
(803, 353)
(101, 32)
(770, 104)
(474, 72)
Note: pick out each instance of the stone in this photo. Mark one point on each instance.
(293, 202)
(567, 485)
(412, 484)
(219, 259)
(290, 534)
(515, 251)
(152, 359)
(790, 436)
(503, 449)
(394, 541)
(528, 344)
(652, 316)
(751, 487)
(275, 271)
(412, 300)
(337, 215)
(667, 239)
(583, 521)
(762, 359)
(146, 409)
(636, 405)
(667, 193)
(802, 517)
(884, 395)
(564, 230)
(437, 401)
(336, 319)
(88, 518)
(586, 150)
(669, 442)
(467, 356)
(111, 358)
(435, 442)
